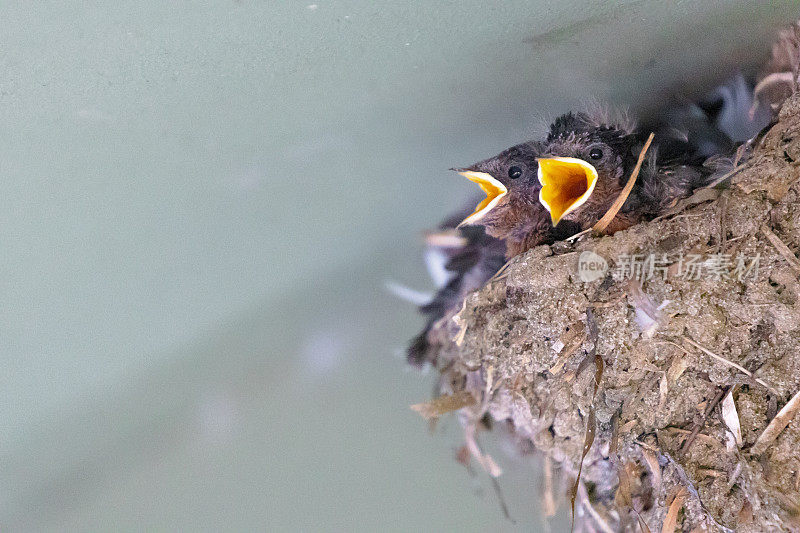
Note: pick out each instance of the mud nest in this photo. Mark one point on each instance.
(681, 384)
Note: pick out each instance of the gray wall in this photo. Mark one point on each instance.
(201, 204)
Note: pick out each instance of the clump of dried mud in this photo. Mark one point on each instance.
(676, 379)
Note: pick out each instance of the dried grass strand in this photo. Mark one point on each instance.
(781, 247)
(776, 425)
(603, 223)
(671, 520)
(444, 404)
(721, 359)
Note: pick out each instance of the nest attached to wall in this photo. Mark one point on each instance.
(673, 392)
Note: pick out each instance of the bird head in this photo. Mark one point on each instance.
(510, 183)
(583, 167)
(571, 175)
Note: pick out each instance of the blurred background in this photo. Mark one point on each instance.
(202, 203)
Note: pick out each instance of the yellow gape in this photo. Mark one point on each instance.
(494, 193)
(567, 183)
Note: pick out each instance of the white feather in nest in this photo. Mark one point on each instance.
(435, 261)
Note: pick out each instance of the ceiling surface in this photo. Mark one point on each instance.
(201, 207)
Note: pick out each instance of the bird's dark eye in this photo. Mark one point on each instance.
(514, 172)
(596, 153)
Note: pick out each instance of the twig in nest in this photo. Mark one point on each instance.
(776, 425)
(587, 445)
(487, 393)
(729, 363)
(698, 427)
(598, 359)
(624, 493)
(611, 303)
(708, 472)
(724, 177)
(568, 345)
(591, 421)
(502, 500)
(578, 235)
(483, 459)
(730, 417)
(671, 521)
(487, 463)
(444, 404)
(462, 325)
(699, 197)
(735, 475)
(655, 468)
(708, 439)
(603, 223)
(781, 247)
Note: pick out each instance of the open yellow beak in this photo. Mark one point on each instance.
(567, 183)
(494, 193)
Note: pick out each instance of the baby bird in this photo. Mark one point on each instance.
(511, 210)
(538, 192)
(472, 257)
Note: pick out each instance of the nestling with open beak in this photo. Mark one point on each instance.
(539, 192)
(472, 257)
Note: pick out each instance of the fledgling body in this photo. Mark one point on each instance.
(538, 192)
(471, 258)
(587, 163)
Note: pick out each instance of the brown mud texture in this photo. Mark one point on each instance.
(682, 360)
